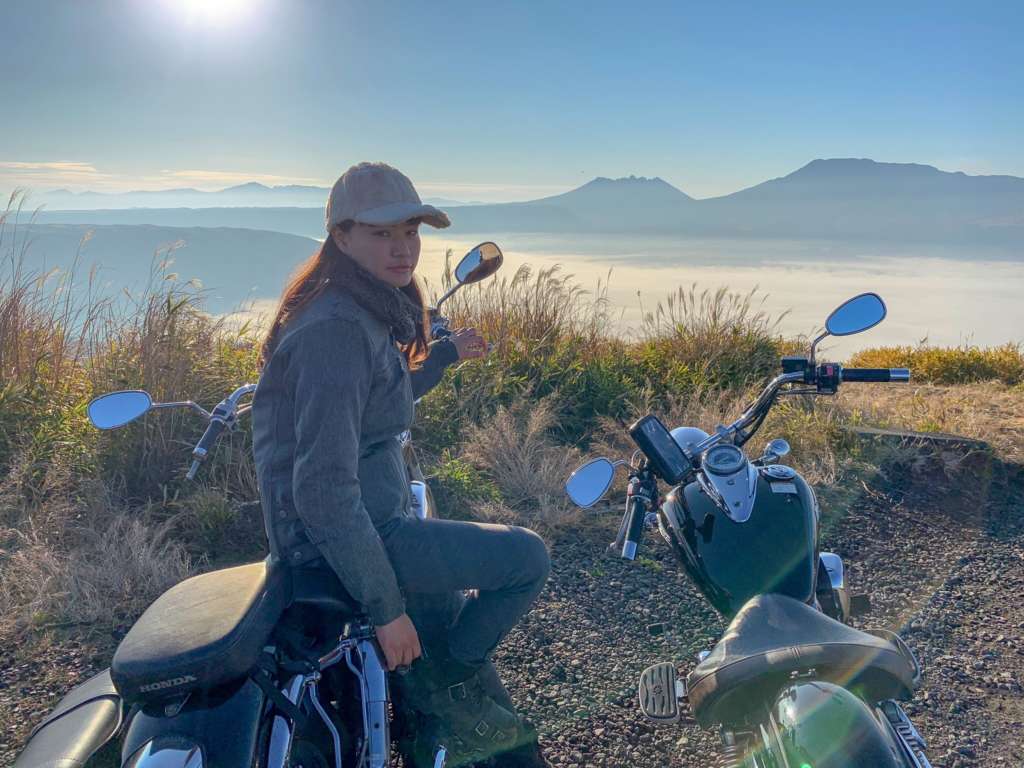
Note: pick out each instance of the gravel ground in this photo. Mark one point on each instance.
(942, 567)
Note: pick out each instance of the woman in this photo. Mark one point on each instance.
(344, 360)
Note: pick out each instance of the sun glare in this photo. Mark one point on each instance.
(214, 12)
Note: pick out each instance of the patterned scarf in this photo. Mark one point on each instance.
(385, 302)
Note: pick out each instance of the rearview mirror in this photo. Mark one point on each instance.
(856, 315)
(588, 484)
(118, 408)
(481, 262)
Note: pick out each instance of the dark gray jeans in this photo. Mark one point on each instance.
(435, 559)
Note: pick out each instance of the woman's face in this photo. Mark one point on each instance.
(388, 253)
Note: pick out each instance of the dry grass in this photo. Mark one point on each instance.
(163, 342)
(517, 451)
(109, 576)
(532, 309)
(91, 525)
(989, 411)
(726, 336)
(70, 554)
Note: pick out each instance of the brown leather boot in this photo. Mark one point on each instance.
(469, 723)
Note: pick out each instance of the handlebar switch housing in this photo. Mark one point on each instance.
(798, 364)
(828, 378)
(225, 413)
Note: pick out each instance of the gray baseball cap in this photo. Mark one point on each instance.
(377, 194)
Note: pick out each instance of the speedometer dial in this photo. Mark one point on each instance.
(724, 460)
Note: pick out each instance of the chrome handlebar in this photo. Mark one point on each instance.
(748, 416)
(754, 411)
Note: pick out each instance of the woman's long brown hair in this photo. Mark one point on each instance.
(310, 280)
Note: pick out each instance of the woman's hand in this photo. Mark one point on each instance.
(399, 641)
(469, 343)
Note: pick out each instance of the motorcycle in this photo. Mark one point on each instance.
(790, 684)
(478, 264)
(244, 666)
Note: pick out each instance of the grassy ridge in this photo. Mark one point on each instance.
(94, 525)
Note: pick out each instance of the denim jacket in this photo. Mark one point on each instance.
(330, 404)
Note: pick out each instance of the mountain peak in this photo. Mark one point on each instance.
(631, 185)
(852, 167)
(251, 186)
(628, 180)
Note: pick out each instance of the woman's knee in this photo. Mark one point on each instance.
(534, 558)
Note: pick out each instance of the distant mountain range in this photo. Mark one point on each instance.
(830, 199)
(242, 195)
(842, 199)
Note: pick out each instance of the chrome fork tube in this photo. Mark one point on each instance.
(281, 731)
(373, 680)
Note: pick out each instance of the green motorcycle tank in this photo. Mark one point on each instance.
(775, 550)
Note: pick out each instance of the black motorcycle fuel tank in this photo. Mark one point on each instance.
(774, 550)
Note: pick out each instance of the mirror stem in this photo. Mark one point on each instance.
(447, 295)
(814, 346)
(183, 404)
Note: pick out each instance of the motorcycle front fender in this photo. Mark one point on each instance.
(824, 725)
(81, 724)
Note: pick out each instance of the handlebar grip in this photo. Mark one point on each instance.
(205, 443)
(634, 528)
(876, 374)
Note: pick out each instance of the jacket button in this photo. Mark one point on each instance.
(282, 513)
(296, 555)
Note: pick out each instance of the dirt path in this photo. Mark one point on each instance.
(944, 567)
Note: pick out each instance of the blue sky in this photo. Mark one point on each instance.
(496, 101)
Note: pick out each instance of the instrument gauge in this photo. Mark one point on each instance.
(724, 460)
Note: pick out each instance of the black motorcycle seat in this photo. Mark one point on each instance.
(774, 637)
(204, 632)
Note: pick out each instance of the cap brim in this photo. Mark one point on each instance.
(396, 213)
